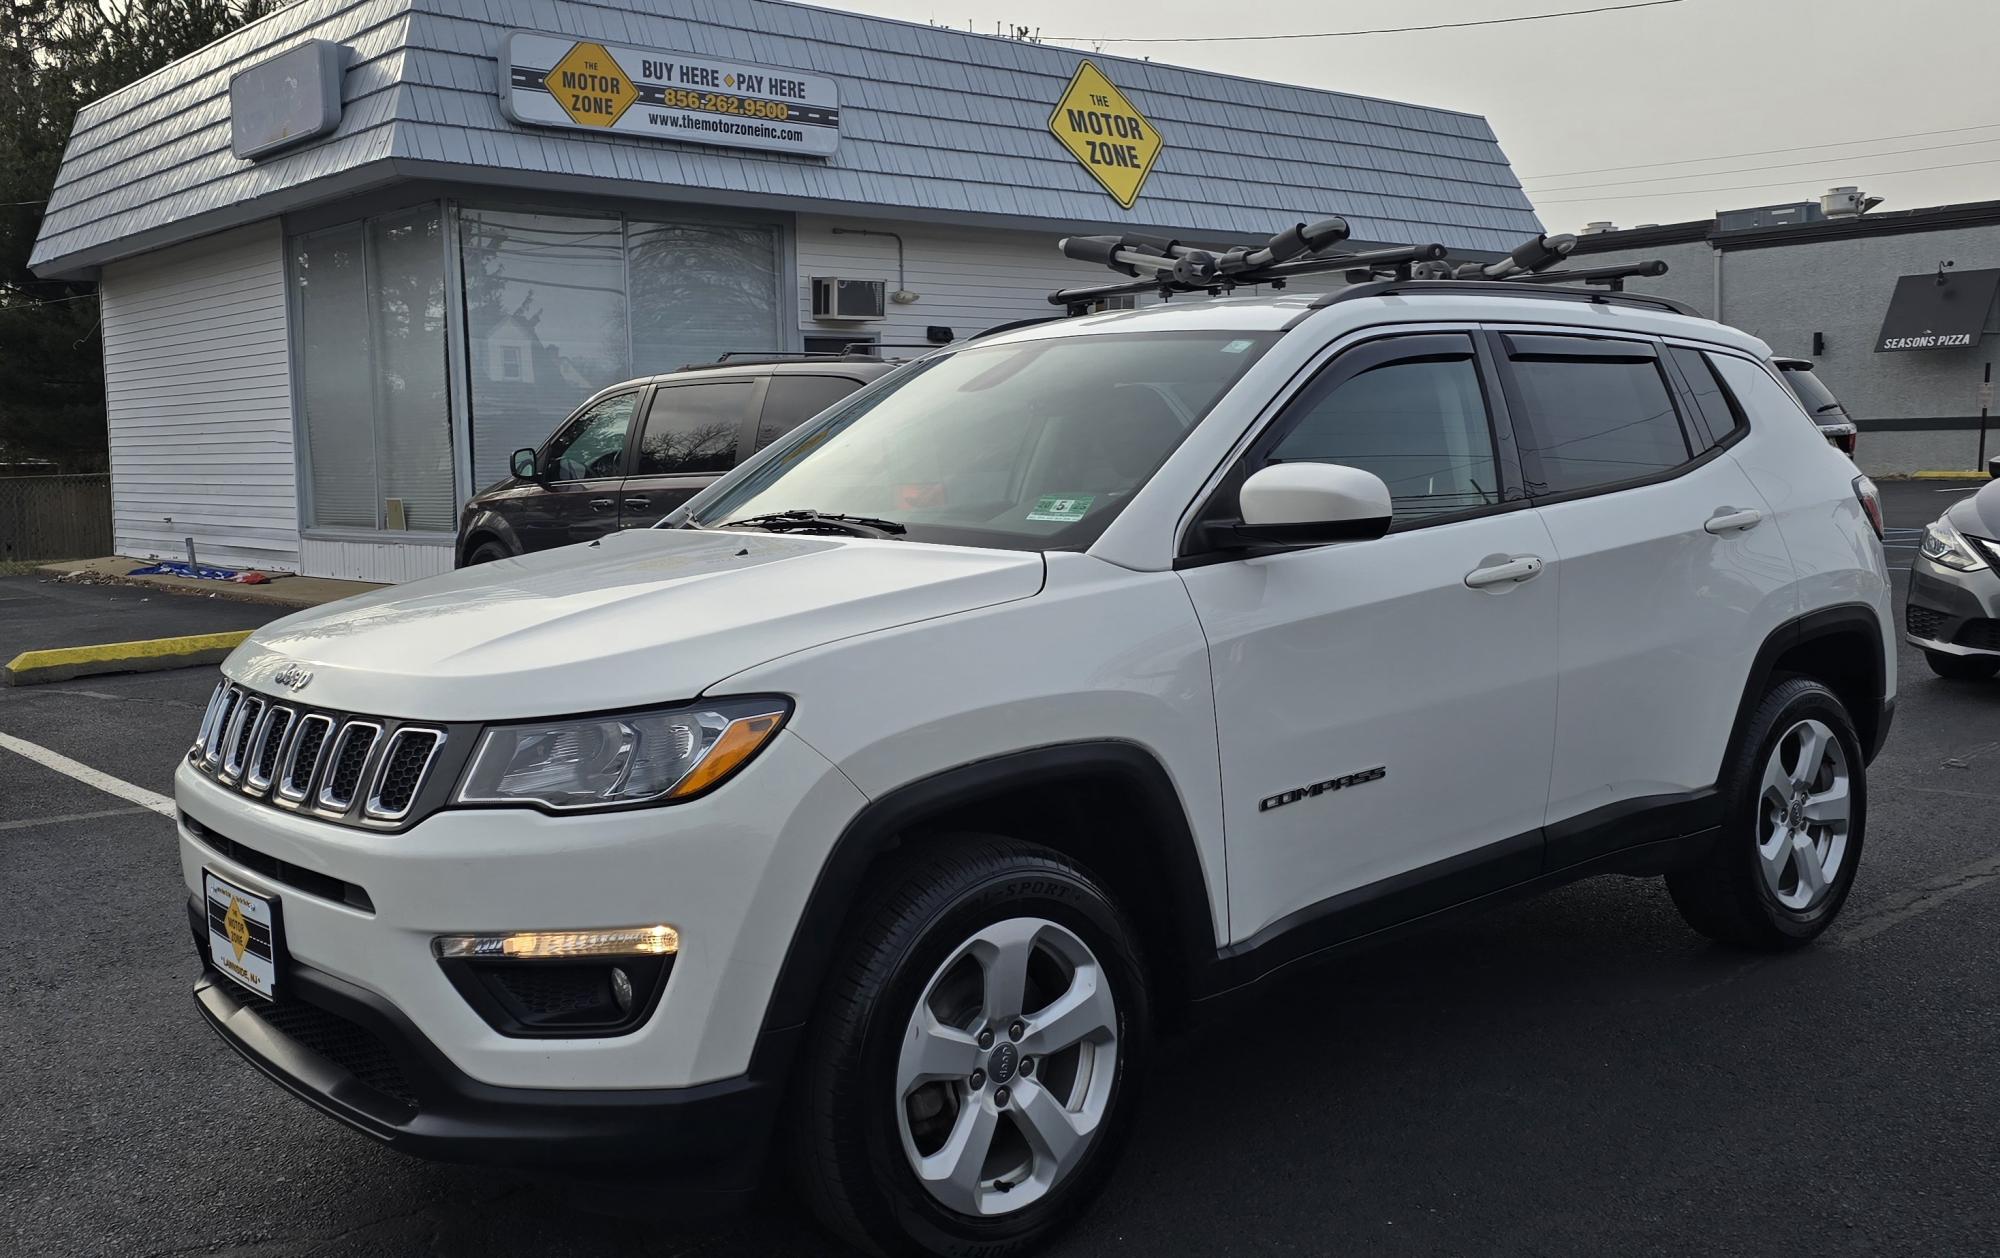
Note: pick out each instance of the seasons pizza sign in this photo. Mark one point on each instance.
(553, 81)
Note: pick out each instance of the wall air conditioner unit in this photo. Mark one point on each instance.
(844, 300)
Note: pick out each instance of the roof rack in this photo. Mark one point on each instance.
(1538, 287)
(1167, 267)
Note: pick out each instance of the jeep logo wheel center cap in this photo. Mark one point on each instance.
(1004, 1061)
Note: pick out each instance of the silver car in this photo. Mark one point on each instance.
(1954, 610)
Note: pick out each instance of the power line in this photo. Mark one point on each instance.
(1744, 187)
(1796, 148)
(1384, 30)
(1744, 170)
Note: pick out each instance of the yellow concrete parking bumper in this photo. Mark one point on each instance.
(62, 663)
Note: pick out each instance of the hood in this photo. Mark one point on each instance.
(1978, 515)
(653, 615)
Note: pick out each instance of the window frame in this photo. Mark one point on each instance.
(1338, 363)
(1620, 345)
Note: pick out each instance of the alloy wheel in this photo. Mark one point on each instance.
(1006, 1068)
(1805, 808)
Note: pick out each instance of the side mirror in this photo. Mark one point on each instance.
(1311, 504)
(524, 464)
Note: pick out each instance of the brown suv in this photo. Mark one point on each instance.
(637, 450)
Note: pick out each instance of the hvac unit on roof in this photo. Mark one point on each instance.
(838, 299)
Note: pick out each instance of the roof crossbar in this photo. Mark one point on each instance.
(1159, 265)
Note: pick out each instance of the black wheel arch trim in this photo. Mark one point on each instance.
(1871, 724)
(880, 826)
(488, 525)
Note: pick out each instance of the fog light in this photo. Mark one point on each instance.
(560, 945)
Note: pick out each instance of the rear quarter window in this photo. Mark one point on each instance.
(791, 400)
(1758, 394)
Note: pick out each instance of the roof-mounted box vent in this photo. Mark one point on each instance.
(1846, 202)
(1598, 228)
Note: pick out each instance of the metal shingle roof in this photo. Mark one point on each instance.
(933, 120)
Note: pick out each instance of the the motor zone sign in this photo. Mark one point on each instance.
(663, 94)
(1106, 132)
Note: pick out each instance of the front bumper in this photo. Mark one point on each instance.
(1952, 612)
(354, 1056)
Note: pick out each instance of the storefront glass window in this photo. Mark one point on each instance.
(559, 306)
(370, 300)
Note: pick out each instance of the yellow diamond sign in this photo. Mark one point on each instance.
(591, 86)
(1107, 133)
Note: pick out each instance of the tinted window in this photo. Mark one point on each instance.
(1420, 425)
(1595, 421)
(1709, 398)
(693, 428)
(1811, 392)
(1755, 391)
(791, 400)
(593, 444)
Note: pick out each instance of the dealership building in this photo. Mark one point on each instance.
(1899, 311)
(355, 254)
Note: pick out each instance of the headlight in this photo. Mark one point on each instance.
(626, 758)
(1944, 544)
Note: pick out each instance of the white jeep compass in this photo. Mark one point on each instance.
(872, 813)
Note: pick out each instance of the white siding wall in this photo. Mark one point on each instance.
(198, 391)
(967, 280)
(361, 560)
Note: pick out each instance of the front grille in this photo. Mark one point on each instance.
(1922, 622)
(361, 770)
(547, 992)
(1983, 635)
(348, 1045)
(1989, 551)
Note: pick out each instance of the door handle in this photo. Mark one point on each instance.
(603, 504)
(638, 504)
(1733, 519)
(1509, 572)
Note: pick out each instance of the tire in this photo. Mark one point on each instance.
(860, 1125)
(1962, 667)
(486, 552)
(1735, 895)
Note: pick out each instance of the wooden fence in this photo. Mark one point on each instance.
(54, 517)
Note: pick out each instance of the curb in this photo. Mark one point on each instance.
(31, 668)
(1946, 475)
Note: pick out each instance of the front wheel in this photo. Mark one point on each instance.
(975, 1058)
(1794, 799)
(1962, 667)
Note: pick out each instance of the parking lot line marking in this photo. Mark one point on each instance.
(1922, 898)
(89, 776)
(60, 818)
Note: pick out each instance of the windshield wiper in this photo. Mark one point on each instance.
(819, 522)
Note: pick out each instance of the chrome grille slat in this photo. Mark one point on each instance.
(353, 746)
(211, 753)
(208, 718)
(390, 796)
(243, 730)
(303, 758)
(262, 764)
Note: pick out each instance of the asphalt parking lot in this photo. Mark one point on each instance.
(1578, 1074)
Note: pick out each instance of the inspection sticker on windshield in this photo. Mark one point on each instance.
(1055, 510)
(1237, 347)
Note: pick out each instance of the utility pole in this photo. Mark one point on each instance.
(1985, 402)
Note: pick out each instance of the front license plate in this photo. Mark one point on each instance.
(243, 938)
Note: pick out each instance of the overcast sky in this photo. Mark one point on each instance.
(1697, 79)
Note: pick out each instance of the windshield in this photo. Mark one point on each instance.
(1811, 393)
(1035, 445)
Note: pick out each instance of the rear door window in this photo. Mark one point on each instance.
(1593, 412)
(694, 428)
(791, 400)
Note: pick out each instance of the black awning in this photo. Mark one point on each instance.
(1945, 310)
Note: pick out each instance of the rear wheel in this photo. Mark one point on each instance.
(972, 1067)
(1962, 667)
(1794, 801)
